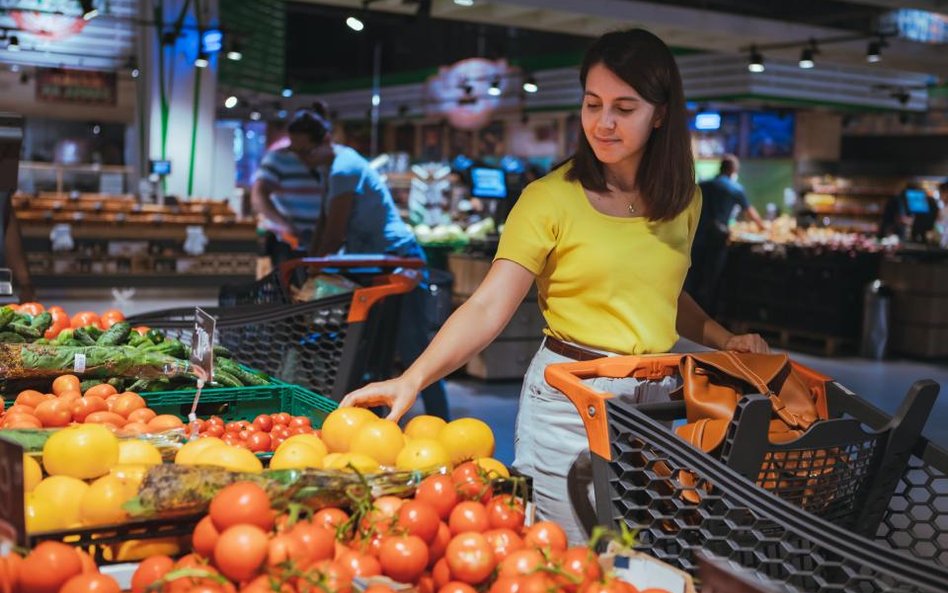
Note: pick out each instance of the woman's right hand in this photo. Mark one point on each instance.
(398, 394)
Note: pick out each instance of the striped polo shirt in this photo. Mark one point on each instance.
(299, 190)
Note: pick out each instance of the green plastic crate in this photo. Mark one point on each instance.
(244, 403)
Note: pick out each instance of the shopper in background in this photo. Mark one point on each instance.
(11, 250)
(721, 195)
(606, 236)
(288, 187)
(358, 215)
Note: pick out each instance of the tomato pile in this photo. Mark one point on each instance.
(62, 320)
(264, 434)
(53, 567)
(454, 536)
(100, 404)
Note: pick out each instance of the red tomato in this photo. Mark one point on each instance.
(84, 319)
(286, 548)
(281, 418)
(259, 441)
(580, 567)
(242, 502)
(506, 585)
(318, 541)
(468, 516)
(301, 421)
(32, 308)
(537, 583)
(215, 420)
(300, 430)
(91, 583)
(360, 565)
(441, 540)
(521, 562)
(457, 587)
(110, 318)
(470, 483)
(56, 328)
(614, 585)
(54, 413)
(546, 535)
(441, 573)
(88, 564)
(330, 518)
(10, 572)
(403, 557)
(419, 518)
(470, 558)
(205, 537)
(505, 512)
(141, 330)
(213, 430)
(379, 588)
(263, 422)
(240, 551)
(232, 427)
(504, 542)
(48, 567)
(439, 492)
(334, 577)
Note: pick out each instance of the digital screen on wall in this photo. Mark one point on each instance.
(916, 201)
(770, 135)
(488, 182)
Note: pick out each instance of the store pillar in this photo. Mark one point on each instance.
(177, 99)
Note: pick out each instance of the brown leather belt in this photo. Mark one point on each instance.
(569, 351)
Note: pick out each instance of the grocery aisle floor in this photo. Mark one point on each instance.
(883, 383)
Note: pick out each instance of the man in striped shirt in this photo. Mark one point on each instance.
(289, 185)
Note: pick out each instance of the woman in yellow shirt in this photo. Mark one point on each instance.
(607, 238)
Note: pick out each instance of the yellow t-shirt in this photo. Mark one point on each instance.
(607, 282)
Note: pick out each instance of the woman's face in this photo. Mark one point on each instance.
(617, 121)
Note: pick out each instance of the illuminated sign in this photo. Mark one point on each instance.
(212, 40)
(709, 120)
(460, 92)
(919, 25)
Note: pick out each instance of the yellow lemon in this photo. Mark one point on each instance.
(133, 474)
(41, 515)
(138, 452)
(102, 502)
(190, 451)
(235, 459)
(82, 451)
(424, 427)
(492, 467)
(310, 439)
(297, 455)
(423, 454)
(65, 493)
(32, 473)
(349, 461)
(330, 459)
(467, 438)
(341, 425)
(381, 440)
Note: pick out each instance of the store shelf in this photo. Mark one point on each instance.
(138, 280)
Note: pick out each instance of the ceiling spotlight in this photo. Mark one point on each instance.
(355, 23)
(494, 90)
(376, 99)
(530, 85)
(201, 61)
(806, 58)
(235, 53)
(14, 67)
(14, 44)
(756, 62)
(281, 114)
(89, 11)
(255, 115)
(874, 51)
(287, 92)
(136, 73)
(464, 2)
(231, 102)
(96, 129)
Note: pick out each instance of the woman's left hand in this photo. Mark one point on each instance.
(747, 343)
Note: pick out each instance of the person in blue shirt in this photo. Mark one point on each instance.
(360, 216)
(721, 195)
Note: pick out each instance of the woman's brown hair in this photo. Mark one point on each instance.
(666, 175)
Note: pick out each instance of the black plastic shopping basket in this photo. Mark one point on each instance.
(859, 504)
(331, 345)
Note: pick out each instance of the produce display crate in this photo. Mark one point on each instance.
(244, 403)
(331, 345)
(875, 522)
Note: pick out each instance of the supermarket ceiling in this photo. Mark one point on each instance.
(415, 33)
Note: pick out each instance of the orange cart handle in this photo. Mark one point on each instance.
(567, 377)
(387, 262)
(363, 299)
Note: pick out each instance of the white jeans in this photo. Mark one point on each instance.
(551, 446)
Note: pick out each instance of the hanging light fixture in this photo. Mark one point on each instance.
(874, 51)
(14, 44)
(201, 60)
(230, 102)
(235, 52)
(756, 62)
(806, 55)
(287, 92)
(89, 11)
(355, 23)
(530, 85)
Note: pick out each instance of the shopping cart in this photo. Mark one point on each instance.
(857, 505)
(330, 345)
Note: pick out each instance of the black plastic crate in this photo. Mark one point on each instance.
(857, 514)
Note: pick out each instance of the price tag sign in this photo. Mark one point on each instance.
(6, 282)
(12, 518)
(202, 345)
(202, 359)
